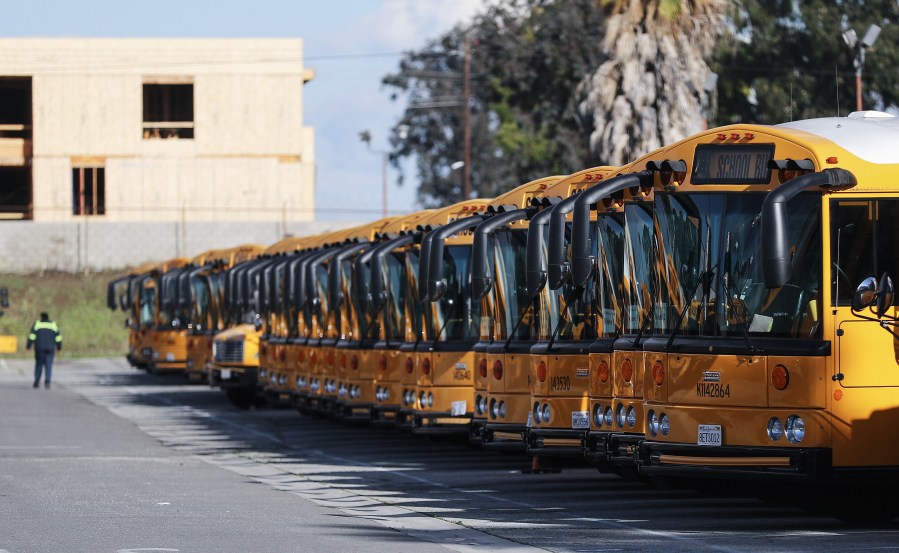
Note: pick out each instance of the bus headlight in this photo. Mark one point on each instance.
(547, 413)
(775, 429)
(422, 400)
(263, 373)
(502, 409)
(795, 429)
(386, 393)
(631, 417)
(494, 408)
(478, 405)
(620, 415)
(607, 418)
(538, 415)
(430, 399)
(653, 423)
(664, 425)
(407, 397)
(597, 414)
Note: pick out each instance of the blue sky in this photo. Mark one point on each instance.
(351, 44)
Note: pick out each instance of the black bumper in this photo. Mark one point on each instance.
(735, 462)
(430, 424)
(505, 437)
(556, 442)
(247, 377)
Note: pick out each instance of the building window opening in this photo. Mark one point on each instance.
(15, 193)
(168, 111)
(88, 191)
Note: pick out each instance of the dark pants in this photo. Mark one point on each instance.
(42, 359)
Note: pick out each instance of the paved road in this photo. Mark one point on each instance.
(112, 460)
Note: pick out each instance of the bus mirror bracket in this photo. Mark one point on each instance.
(776, 256)
(483, 249)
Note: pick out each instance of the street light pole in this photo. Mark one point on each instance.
(860, 46)
(365, 136)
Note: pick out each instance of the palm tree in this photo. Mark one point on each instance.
(652, 88)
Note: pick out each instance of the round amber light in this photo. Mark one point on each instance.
(497, 369)
(410, 366)
(541, 371)
(426, 366)
(627, 370)
(482, 367)
(602, 372)
(780, 377)
(658, 373)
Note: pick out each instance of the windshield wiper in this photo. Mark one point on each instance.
(726, 279)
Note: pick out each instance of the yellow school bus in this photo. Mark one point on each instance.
(276, 367)
(309, 286)
(206, 295)
(355, 357)
(608, 255)
(773, 351)
(445, 366)
(124, 293)
(382, 292)
(325, 372)
(236, 350)
(575, 323)
(165, 337)
(508, 318)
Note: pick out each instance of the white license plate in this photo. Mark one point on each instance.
(458, 408)
(709, 434)
(226, 374)
(580, 420)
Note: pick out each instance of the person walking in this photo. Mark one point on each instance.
(47, 340)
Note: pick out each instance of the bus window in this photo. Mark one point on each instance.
(864, 235)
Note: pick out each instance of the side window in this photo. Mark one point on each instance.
(88, 191)
(168, 111)
(864, 235)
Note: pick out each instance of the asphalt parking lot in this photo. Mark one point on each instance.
(113, 459)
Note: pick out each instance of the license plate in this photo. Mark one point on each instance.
(226, 374)
(709, 434)
(580, 420)
(458, 408)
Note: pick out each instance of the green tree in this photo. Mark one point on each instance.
(527, 57)
(786, 60)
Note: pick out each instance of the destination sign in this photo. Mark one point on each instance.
(732, 164)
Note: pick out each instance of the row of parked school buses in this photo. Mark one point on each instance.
(721, 307)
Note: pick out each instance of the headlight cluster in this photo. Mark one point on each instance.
(301, 382)
(342, 389)
(273, 379)
(282, 380)
(425, 401)
(793, 427)
(382, 393)
(315, 385)
(355, 392)
(542, 414)
(330, 386)
(497, 409)
(480, 403)
(658, 424)
(263, 373)
(408, 397)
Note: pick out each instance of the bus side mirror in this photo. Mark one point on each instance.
(4, 297)
(865, 294)
(884, 295)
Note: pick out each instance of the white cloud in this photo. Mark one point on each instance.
(408, 24)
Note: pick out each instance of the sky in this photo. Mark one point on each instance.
(351, 45)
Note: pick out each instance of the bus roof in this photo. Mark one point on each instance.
(872, 136)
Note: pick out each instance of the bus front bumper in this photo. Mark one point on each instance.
(739, 462)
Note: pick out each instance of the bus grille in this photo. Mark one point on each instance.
(228, 351)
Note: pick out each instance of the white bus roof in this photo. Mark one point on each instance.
(871, 135)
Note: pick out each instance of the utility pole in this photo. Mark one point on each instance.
(466, 118)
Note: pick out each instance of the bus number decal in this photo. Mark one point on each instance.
(712, 389)
(560, 383)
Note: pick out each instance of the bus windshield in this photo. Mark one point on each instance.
(414, 306)
(710, 269)
(609, 276)
(572, 313)
(397, 291)
(202, 308)
(638, 257)
(518, 319)
(454, 316)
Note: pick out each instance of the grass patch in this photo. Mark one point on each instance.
(76, 301)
